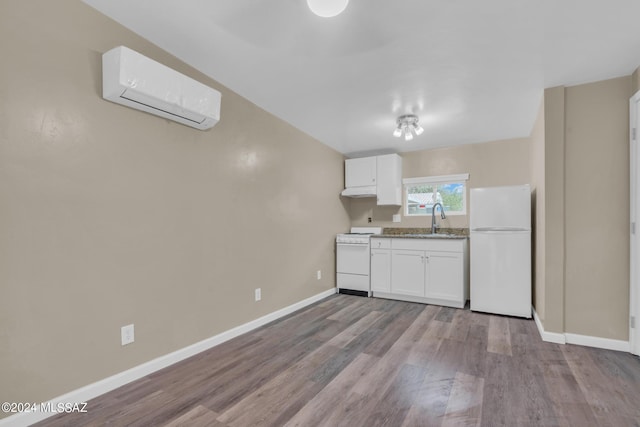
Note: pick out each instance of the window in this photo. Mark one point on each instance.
(448, 190)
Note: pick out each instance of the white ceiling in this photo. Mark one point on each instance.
(473, 71)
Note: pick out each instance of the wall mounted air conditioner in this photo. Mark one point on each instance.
(132, 79)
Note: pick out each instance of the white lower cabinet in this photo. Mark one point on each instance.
(433, 271)
(380, 265)
(408, 273)
(380, 270)
(444, 276)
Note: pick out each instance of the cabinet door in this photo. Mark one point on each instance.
(408, 273)
(445, 279)
(381, 270)
(360, 172)
(389, 184)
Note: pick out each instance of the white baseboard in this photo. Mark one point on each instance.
(585, 340)
(554, 337)
(605, 343)
(111, 383)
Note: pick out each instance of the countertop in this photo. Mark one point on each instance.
(423, 233)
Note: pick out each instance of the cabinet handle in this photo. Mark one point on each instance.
(427, 259)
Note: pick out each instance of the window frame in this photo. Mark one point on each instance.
(435, 180)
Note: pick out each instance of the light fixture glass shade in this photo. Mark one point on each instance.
(406, 125)
(327, 8)
(408, 136)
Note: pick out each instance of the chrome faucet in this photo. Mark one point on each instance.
(433, 216)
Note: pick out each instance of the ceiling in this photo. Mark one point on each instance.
(473, 71)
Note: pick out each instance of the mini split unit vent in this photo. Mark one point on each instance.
(131, 79)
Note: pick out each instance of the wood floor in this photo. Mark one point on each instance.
(353, 361)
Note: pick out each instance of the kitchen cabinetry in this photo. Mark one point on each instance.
(389, 176)
(380, 265)
(408, 273)
(445, 280)
(360, 172)
(433, 271)
(379, 176)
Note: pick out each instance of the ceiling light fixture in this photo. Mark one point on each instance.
(406, 125)
(327, 8)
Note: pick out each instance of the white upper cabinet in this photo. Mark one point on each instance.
(360, 172)
(389, 180)
(379, 176)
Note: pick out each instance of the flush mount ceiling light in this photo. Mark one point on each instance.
(407, 125)
(327, 8)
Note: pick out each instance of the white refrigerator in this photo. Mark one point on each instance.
(500, 250)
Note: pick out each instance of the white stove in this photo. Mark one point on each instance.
(352, 260)
(358, 235)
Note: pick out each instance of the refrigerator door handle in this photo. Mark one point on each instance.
(500, 229)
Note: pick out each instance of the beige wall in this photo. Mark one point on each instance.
(488, 164)
(538, 210)
(597, 208)
(635, 81)
(586, 164)
(110, 216)
(554, 152)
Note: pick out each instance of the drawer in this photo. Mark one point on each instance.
(380, 243)
(441, 245)
(354, 282)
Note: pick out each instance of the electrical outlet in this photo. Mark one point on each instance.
(319, 274)
(396, 218)
(127, 335)
(258, 294)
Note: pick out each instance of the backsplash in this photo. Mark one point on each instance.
(382, 216)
